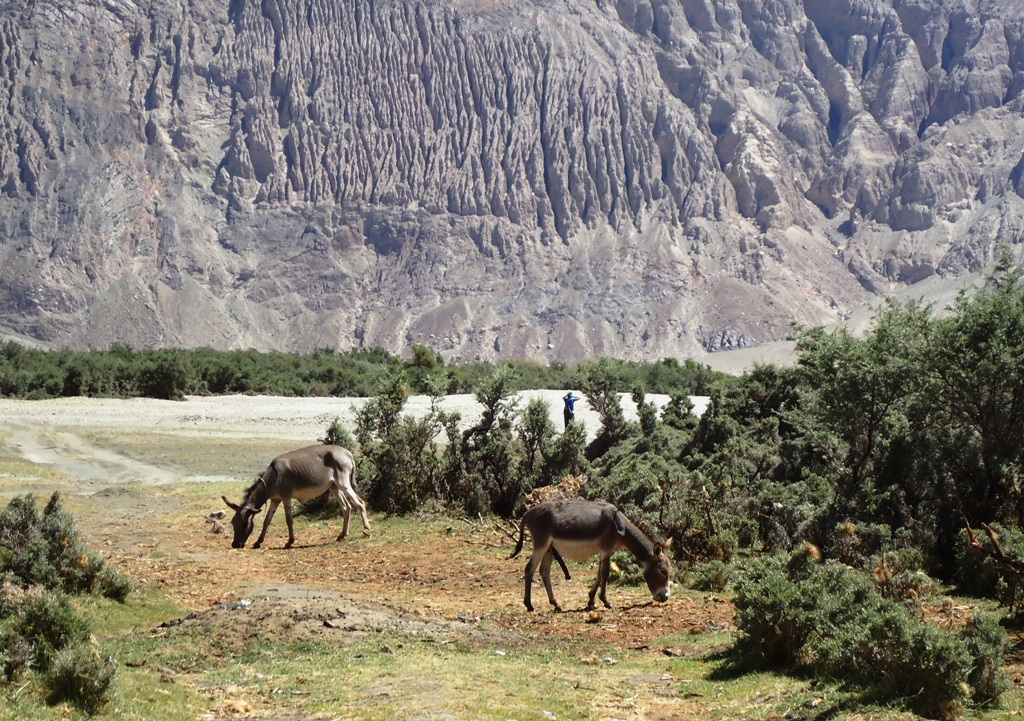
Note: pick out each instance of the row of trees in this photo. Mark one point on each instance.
(122, 372)
(887, 440)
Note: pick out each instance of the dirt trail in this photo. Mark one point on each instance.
(77, 458)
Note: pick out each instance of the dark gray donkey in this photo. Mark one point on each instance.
(302, 474)
(580, 529)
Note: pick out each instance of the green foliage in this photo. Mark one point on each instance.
(986, 644)
(15, 650)
(113, 585)
(172, 373)
(49, 622)
(35, 624)
(710, 576)
(601, 382)
(978, 574)
(399, 452)
(567, 455)
(338, 435)
(536, 434)
(42, 560)
(167, 376)
(486, 456)
(827, 620)
(79, 674)
(46, 549)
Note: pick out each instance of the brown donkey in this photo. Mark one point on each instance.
(580, 529)
(302, 474)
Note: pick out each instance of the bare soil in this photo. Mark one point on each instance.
(424, 577)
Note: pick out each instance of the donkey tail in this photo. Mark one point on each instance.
(519, 543)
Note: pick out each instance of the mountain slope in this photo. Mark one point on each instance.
(544, 179)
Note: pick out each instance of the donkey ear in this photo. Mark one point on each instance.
(233, 506)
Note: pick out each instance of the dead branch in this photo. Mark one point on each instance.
(484, 544)
(1013, 565)
(218, 525)
(511, 535)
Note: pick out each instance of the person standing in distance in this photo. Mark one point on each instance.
(569, 414)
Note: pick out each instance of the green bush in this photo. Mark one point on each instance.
(828, 620)
(711, 576)
(978, 574)
(15, 650)
(113, 585)
(399, 451)
(79, 674)
(46, 549)
(42, 559)
(48, 620)
(986, 642)
(35, 624)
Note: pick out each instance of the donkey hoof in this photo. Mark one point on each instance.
(366, 532)
(558, 609)
(257, 545)
(341, 537)
(289, 544)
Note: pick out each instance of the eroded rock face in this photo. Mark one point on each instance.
(545, 179)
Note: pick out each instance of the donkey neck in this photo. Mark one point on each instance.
(258, 494)
(637, 542)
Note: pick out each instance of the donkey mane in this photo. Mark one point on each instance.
(247, 493)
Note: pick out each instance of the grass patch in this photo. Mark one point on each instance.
(18, 477)
(198, 455)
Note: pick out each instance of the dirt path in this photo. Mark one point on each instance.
(77, 458)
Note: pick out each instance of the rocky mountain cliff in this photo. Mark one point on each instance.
(549, 179)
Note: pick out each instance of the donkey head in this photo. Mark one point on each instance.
(658, 571)
(241, 522)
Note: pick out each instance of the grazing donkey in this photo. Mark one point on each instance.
(302, 474)
(579, 529)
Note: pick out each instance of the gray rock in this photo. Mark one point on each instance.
(543, 179)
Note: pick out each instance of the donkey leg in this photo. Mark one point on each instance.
(266, 523)
(545, 574)
(531, 566)
(356, 501)
(288, 517)
(599, 583)
(606, 569)
(346, 511)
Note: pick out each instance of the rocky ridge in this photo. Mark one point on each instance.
(548, 179)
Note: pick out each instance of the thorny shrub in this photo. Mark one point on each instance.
(830, 621)
(42, 560)
(81, 675)
(46, 549)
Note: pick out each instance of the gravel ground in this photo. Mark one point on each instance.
(268, 416)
